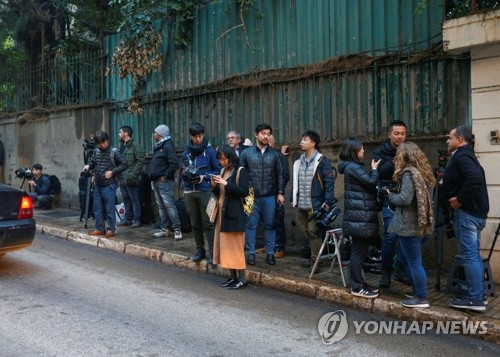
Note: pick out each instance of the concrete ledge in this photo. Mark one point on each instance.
(55, 231)
(144, 252)
(111, 244)
(83, 238)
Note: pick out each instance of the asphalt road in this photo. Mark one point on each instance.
(59, 298)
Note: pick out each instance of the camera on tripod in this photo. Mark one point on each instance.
(24, 173)
(89, 147)
(324, 217)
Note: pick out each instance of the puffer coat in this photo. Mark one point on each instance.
(360, 200)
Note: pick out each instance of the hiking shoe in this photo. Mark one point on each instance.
(96, 232)
(415, 302)
(468, 304)
(162, 233)
(177, 235)
(280, 253)
(124, 223)
(360, 292)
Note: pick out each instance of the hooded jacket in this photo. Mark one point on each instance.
(134, 154)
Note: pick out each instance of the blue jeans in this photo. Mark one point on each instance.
(130, 196)
(411, 247)
(389, 244)
(164, 196)
(264, 208)
(468, 233)
(104, 203)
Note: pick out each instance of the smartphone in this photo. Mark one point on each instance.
(211, 175)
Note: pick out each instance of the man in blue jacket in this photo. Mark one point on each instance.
(465, 191)
(43, 192)
(199, 161)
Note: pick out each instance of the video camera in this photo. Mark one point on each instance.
(190, 173)
(24, 173)
(325, 217)
(89, 147)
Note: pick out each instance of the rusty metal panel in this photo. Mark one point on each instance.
(359, 103)
(281, 34)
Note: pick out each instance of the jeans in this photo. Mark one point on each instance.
(359, 252)
(196, 205)
(164, 195)
(389, 244)
(44, 201)
(468, 234)
(264, 209)
(411, 247)
(132, 202)
(104, 203)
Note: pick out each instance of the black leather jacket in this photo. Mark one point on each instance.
(265, 169)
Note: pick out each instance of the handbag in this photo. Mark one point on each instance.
(212, 208)
(248, 201)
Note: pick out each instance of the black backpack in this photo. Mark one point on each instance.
(55, 184)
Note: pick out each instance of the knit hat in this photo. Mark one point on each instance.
(162, 130)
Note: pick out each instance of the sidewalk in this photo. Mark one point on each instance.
(287, 275)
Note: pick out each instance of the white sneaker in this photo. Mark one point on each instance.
(163, 233)
(177, 235)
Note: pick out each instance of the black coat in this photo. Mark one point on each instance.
(233, 217)
(464, 179)
(360, 200)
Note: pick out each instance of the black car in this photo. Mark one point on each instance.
(17, 226)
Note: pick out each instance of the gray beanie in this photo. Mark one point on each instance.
(163, 130)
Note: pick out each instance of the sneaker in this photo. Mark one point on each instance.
(177, 235)
(162, 233)
(409, 295)
(468, 304)
(485, 299)
(360, 292)
(366, 286)
(415, 302)
(136, 225)
(124, 223)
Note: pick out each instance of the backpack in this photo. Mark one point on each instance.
(55, 184)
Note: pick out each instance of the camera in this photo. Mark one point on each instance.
(324, 217)
(24, 173)
(89, 147)
(190, 171)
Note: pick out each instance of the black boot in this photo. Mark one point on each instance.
(200, 254)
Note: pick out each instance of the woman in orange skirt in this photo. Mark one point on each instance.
(231, 187)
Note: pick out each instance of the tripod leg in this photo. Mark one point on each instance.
(318, 257)
(88, 186)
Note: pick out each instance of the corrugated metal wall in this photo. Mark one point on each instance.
(292, 76)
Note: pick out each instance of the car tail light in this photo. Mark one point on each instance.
(26, 210)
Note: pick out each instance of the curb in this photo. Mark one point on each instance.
(389, 306)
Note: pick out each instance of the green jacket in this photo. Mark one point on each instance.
(134, 154)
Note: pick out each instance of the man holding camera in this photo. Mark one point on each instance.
(312, 190)
(199, 160)
(43, 192)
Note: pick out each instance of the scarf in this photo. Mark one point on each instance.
(195, 150)
(424, 205)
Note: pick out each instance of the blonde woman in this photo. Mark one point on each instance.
(413, 220)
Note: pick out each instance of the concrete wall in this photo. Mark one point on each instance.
(55, 141)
